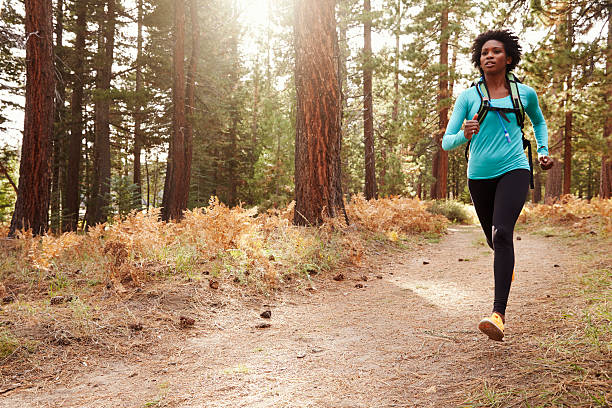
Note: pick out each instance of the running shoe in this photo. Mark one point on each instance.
(492, 326)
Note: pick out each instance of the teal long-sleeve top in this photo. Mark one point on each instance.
(491, 155)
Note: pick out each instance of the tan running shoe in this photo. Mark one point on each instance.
(492, 326)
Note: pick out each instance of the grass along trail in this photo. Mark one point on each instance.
(407, 338)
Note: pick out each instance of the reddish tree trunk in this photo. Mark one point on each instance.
(440, 161)
(605, 181)
(72, 195)
(190, 90)
(371, 189)
(176, 191)
(537, 191)
(32, 206)
(567, 154)
(98, 208)
(138, 136)
(57, 169)
(318, 123)
(554, 176)
(343, 17)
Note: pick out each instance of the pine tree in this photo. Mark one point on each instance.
(72, 195)
(371, 190)
(98, 208)
(176, 187)
(31, 208)
(317, 146)
(138, 114)
(440, 160)
(605, 184)
(59, 134)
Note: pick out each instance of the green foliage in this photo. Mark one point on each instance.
(8, 158)
(243, 121)
(8, 343)
(123, 192)
(451, 209)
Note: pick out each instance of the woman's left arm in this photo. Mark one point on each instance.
(532, 108)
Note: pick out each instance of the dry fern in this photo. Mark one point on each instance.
(572, 211)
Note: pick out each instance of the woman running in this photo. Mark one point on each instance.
(498, 170)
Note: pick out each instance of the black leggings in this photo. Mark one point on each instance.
(498, 203)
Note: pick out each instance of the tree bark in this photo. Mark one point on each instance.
(254, 125)
(190, 89)
(371, 189)
(138, 136)
(72, 176)
(537, 187)
(32, 206)
(58, 134)
(554, 176)
(318, 188)
(394, 134)
(567, 153)
(605, 180)
(233, 158)
(176, 190)
(343, 53)
(100, 198)
(440, 161)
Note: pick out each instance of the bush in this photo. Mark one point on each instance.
(451, 209)
(401, 214)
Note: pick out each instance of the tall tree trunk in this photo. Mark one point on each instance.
(32, 206)
(233, 158)
(396, 81)
(371, 189)
(318, 124)
(567, 153)
(138, 136)
(343, 18)
(554, 177)
(589, 186)
(100, 199)
(57, 168)
(537, 184)
(394, 133)
(253, 156)
(605, 180)
(567, 139)
(440, 161)
(190, 89)
(72, 183)
(176, 190)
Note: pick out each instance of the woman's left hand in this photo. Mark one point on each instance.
(546, 162)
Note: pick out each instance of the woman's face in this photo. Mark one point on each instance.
(493, 58)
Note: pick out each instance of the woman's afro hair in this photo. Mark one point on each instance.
(506, 37)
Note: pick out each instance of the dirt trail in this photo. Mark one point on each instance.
(408, 339)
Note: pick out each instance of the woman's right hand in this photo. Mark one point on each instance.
(471, 127)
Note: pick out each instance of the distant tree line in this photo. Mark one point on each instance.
(147, 103)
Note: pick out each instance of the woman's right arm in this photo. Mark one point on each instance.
(454, 135)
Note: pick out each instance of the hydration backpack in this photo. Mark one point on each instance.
(517, 109)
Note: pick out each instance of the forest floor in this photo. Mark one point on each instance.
(399, 331)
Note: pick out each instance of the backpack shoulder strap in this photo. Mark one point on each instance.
(513, 82)
(485, 100)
